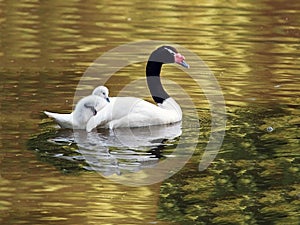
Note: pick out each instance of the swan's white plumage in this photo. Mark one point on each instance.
(135, 112)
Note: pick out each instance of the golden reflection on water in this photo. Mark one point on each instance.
(253, 50)
(74, 200)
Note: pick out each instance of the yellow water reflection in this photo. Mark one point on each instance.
(87, 199)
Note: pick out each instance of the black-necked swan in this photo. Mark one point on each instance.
(86, 108)
(135, 112)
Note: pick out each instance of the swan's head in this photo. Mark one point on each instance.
(168, 54)
(102, 91)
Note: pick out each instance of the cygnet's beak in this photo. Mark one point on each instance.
(107, 99)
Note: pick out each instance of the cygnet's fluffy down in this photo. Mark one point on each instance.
(86, 108)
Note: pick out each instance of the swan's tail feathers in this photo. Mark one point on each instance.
(50, 114)
(64, 120)
(56, 116)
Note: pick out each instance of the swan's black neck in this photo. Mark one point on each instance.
(153, 80)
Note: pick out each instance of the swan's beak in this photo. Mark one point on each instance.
(179, 59)
(184, 64)
(107, 99)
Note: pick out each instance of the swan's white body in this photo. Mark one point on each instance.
(135, 112)
(86, 108)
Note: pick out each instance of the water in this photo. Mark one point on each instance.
(253, 51)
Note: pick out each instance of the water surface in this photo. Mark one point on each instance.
(253, 51)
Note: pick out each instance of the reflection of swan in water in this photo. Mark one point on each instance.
(133, 149)
(137, 137)
(118, 151)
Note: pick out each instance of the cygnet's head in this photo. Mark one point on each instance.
(102, 91)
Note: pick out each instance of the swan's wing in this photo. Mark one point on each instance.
(141, 117)
(140, 113)
(146, 114)
(64, 120)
